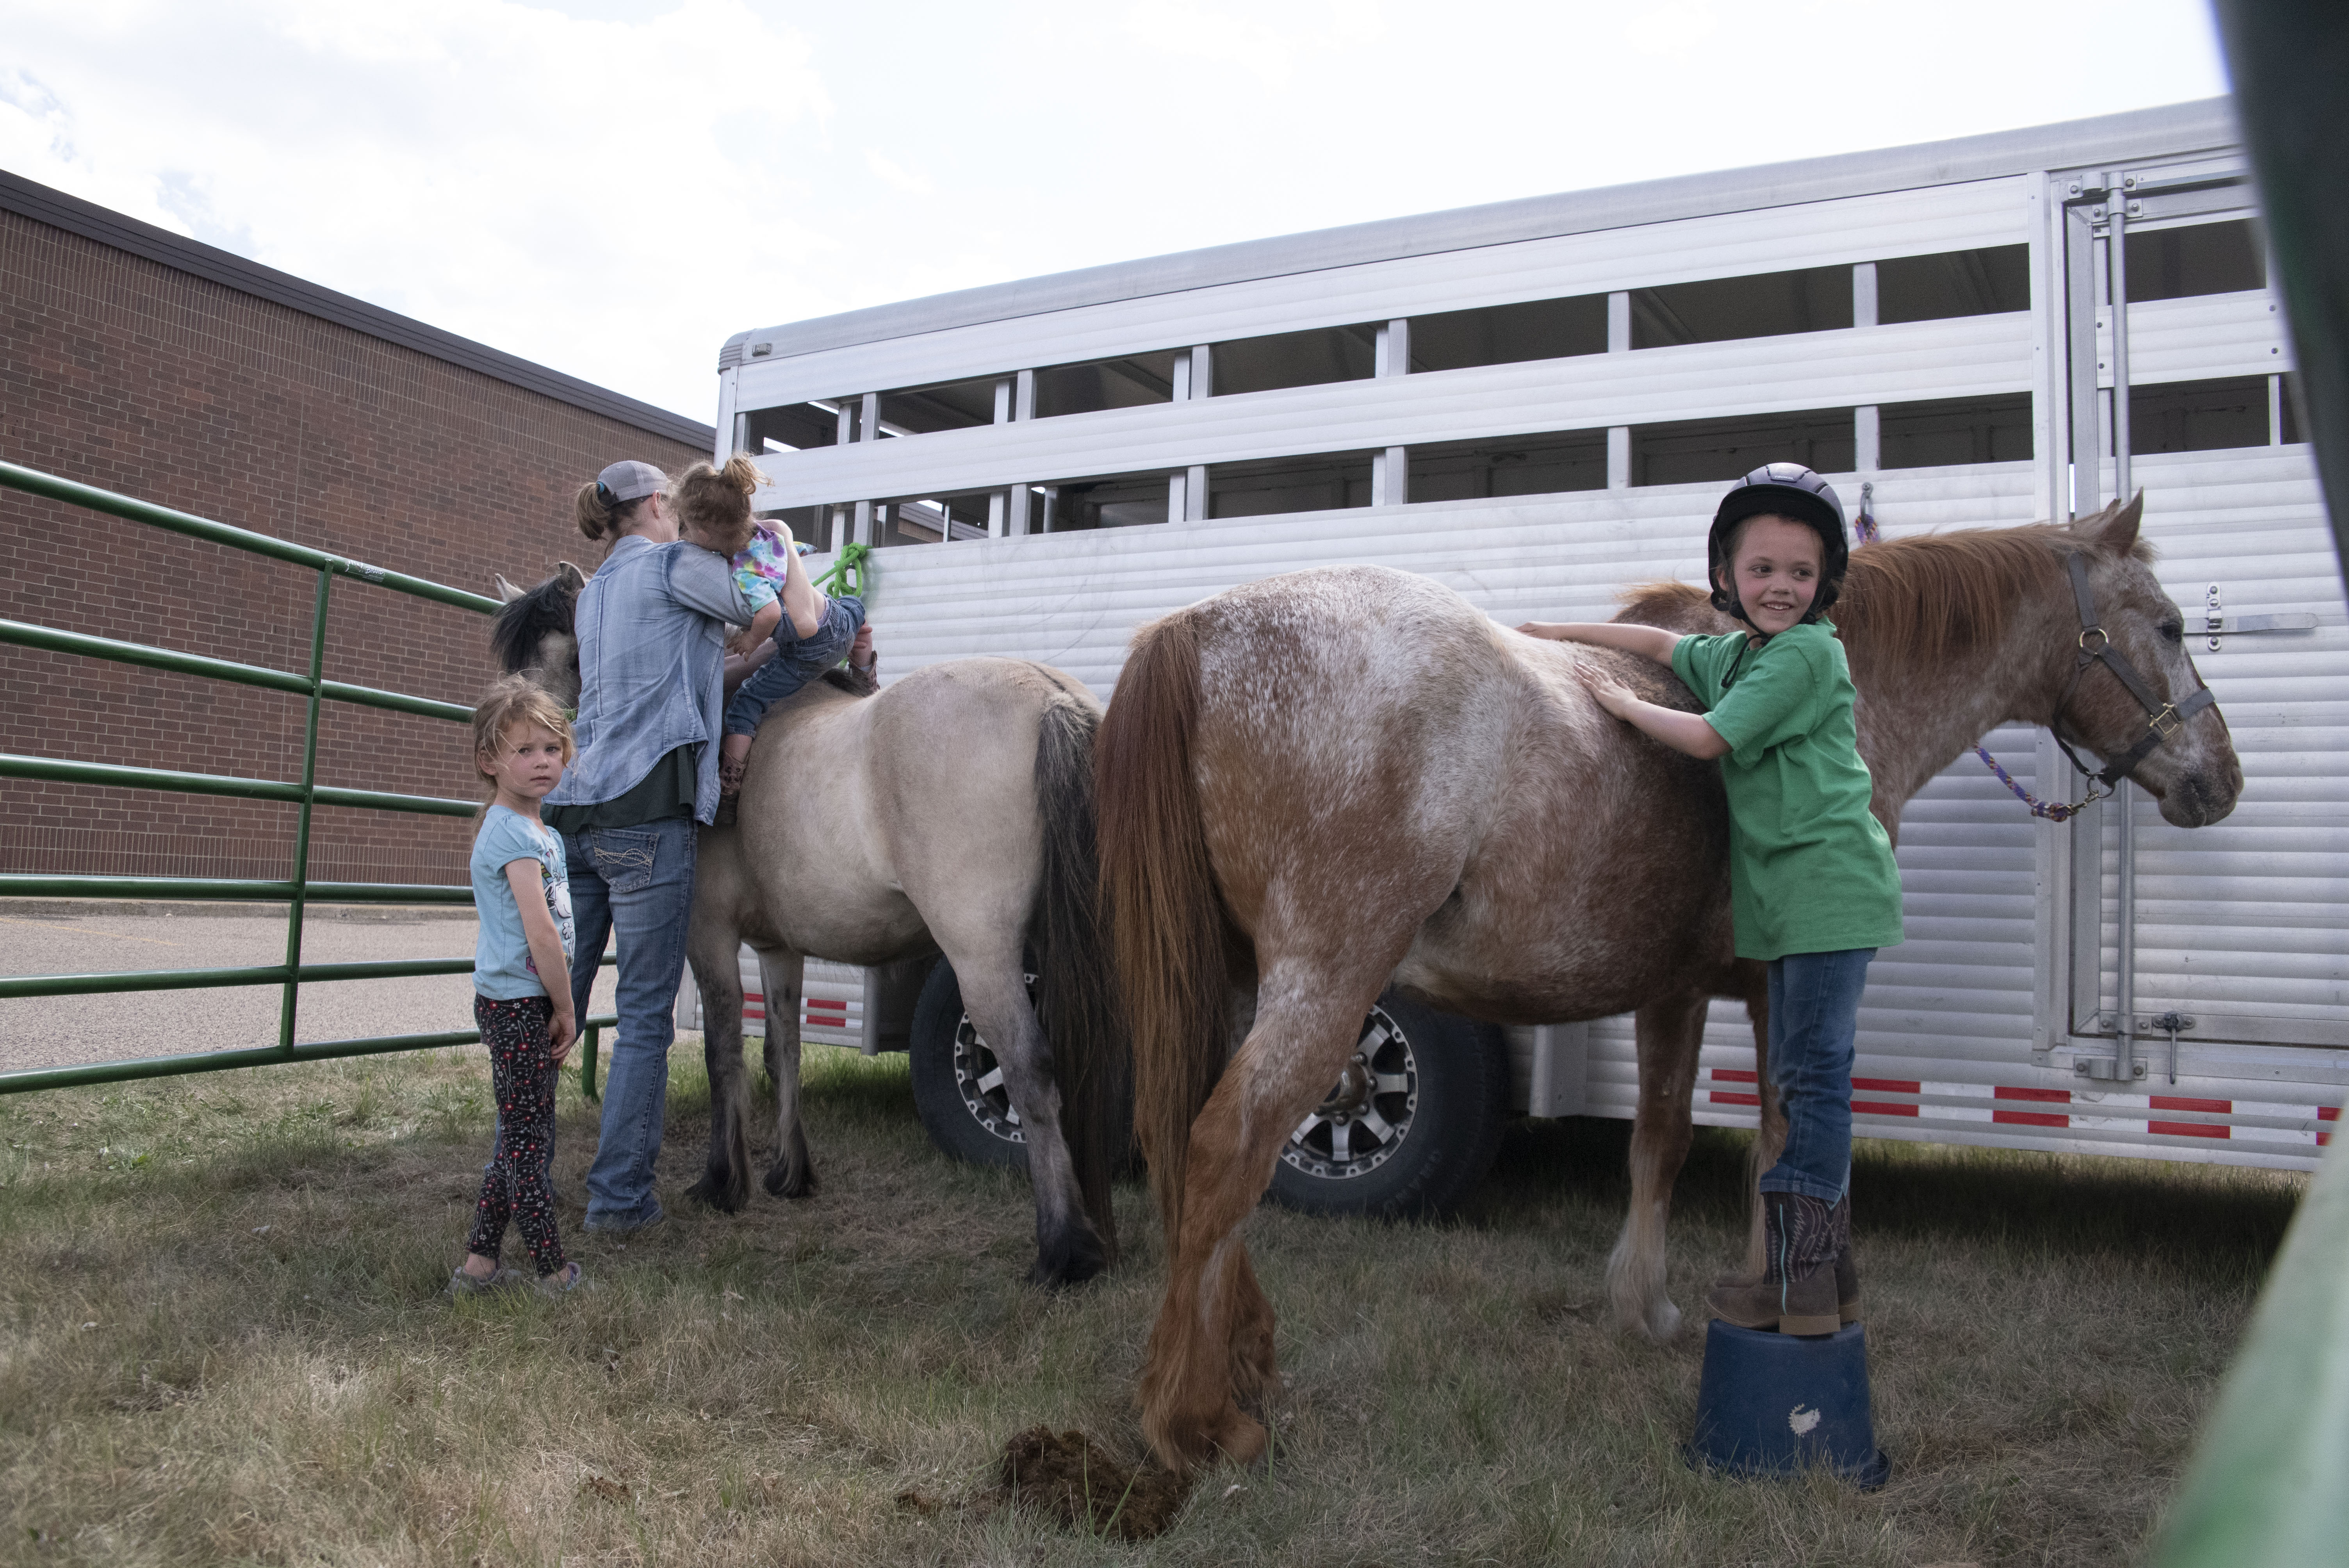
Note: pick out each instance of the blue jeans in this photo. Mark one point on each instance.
(797, 660)
(640, 880)
(1814, 1013)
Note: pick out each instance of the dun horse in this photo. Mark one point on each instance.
(1332, 781)
(951, 812)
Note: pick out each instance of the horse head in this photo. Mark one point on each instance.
(2189, 763)
(532, 635)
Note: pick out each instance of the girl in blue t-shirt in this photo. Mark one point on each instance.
(521, 891)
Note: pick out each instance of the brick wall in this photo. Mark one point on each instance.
(127, 374)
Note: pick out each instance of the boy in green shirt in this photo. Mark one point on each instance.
(1813, 888)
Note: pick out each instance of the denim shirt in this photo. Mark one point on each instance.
(651, 627)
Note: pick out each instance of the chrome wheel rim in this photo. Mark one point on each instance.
(1367, 1114)
(978, 1079)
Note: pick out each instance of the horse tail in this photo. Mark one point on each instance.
(1077, 1005)
(1165, 920)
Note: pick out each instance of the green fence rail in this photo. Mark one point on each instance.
(297, 891)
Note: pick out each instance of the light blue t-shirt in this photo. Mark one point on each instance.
(503, 967)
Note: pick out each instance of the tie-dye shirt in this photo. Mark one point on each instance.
(761, 567)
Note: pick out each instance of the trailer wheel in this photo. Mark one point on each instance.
(958, 1086)
(1410, 1127)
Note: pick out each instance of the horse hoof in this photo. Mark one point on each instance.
(1663, 1321)
(782, 1182)
(716, 1192)
(1077, 1257)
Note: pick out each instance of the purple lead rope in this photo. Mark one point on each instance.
(2056, 812)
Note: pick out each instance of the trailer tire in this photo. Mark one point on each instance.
(966, 1117)
(1430, 1091)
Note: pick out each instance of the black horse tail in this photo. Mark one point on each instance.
(1084, 1027)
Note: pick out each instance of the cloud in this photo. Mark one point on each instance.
(506, 173)
(912, 184)
(1256, 42)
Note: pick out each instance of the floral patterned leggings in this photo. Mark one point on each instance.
(514, 1185)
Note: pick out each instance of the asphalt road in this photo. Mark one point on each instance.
(57, 1031)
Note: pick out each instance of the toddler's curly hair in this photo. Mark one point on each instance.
(713, 504)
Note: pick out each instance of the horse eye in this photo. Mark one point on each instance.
(2171, 631)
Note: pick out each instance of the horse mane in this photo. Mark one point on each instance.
(1922, 598)
(520, 627)
(853, 683)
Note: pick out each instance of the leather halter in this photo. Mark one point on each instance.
(2162, 719)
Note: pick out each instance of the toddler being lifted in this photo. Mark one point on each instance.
(810, 632)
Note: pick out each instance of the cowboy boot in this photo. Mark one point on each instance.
(1847, 1274)
(1796, 1293)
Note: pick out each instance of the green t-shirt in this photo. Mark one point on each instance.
(1810, 869)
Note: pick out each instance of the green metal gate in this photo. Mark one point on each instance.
(295, 892)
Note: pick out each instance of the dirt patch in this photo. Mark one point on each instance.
(1071, 1478)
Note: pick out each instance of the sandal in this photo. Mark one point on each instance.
(563, 1281)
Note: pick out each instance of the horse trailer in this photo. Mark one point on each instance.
(1537, 403)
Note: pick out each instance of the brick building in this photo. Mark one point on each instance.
(144, 362)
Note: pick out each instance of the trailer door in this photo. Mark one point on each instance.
(2194, 953)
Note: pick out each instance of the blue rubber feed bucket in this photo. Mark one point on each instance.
(1771, 1404)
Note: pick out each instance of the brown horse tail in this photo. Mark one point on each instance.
(1166, 921)
(1076, 1004)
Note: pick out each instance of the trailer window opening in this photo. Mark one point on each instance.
(1096, 501)
(2200, 416)
(1712, 451)
(930, 521)
(794, 427)
(1495, 466)
(2195, 259)
(1509, 334)
(1944, 431)
(955, 406)
(1763, 304)
(1132, 381)
(1270, 487)
(1310, 358)
(1993, 279)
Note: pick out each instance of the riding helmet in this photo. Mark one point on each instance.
(1789, 491)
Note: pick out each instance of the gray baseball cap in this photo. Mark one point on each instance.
(626, 482)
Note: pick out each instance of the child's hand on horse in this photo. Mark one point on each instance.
(1610, 694)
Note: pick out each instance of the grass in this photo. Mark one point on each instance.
(222, 1341)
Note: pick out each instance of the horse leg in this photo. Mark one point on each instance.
(1213, 1342)
(1769, 1137)
(1669, 1031)
(783, 980)
(725, 1182)
(1068, 1250)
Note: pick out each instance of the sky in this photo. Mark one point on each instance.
(614, 188)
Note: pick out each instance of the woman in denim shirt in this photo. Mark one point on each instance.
(651, 625)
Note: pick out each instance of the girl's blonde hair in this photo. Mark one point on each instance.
(515, 700)
(713, 504)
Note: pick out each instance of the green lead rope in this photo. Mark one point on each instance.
(847, 573)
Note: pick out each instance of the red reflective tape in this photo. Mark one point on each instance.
(2030, 1118)
(1731, 1075)
(1890, 1086)
(1722, 1097)
(2179, 1102)
(2044, 1095)
(2188, 1129)
(1881, 1108)
(2328, 1113)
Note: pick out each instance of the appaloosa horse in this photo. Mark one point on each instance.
(951, 812)
(1340, 780)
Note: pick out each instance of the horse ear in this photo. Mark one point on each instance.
(2115, 526)
(506, 592)
(573, 578)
